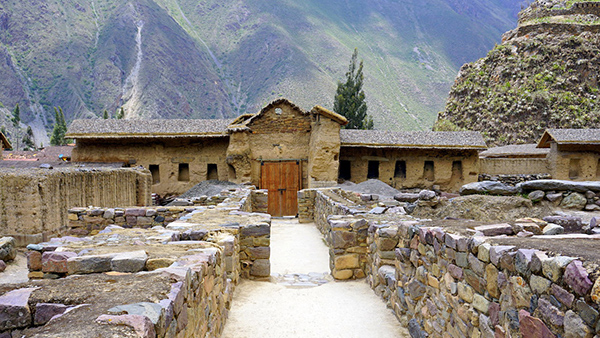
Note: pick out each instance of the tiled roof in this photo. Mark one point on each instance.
(515, 150)
(112, 128)
(412, 139)
(570, 136)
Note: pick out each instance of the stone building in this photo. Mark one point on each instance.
(4, 144)
(516, 159)
(574, 153)
(282, 148)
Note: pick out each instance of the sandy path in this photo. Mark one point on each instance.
(333, 309)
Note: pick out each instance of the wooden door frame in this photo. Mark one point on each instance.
(299, 183)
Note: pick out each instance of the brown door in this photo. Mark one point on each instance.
(282, 179)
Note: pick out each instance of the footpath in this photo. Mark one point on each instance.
(302, 300)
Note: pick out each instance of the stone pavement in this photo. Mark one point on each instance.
(302, 300)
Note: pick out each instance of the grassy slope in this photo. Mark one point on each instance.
(79, 53)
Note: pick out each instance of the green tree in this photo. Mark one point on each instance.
(349, 98)
(28, 139)
(105, 115)
(120, 114)
(60, 128)
(16, 122)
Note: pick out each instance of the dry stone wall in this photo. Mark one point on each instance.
(34, 202)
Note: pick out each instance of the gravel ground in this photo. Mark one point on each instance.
(208, 188)
(373, 187)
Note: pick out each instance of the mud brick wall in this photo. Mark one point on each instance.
(448, 285)
(34, 202)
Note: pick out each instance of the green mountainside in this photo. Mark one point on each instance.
(216, 59)
(544, 75)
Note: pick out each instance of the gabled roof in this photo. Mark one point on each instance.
(515, 150)
(112, 128)
(569, 136)
(412, 139)
(4, 144)
(328, 113)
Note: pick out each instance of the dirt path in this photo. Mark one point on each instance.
(302, 300)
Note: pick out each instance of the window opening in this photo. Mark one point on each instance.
(429, 171)
(345, 172)
(184, 172)
(574, 168)
(212, 172)
(373, 171)
(400, 170)
(155, 171)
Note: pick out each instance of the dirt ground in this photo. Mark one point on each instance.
(333, 309)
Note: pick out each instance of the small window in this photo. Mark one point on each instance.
(457, 170)
(429, 171)
(184, 172)
(574, 168)
(278, 111)
(212, 172)
(373, 171)
(400, 170)
(345, 172)
(155, 171)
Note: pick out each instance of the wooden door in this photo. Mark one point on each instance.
(282, 180)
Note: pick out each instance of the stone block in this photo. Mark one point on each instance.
(129, 261)
(539, 285)
(150, 310)
(256, 230)
(483, 252)
(575, 327)
(465, 292)
(14, 311)
(569, 223)
(562, 295)
(481, 304)
(135, 212)
(497, 251)
(261, 252)
(89, 264)
(554, 267)
(45, 311)
(342, 274)
(141, 324)
(577, 278)
(261, 268)
(343, 239)
(523, 261)
(586, 312)
(550, 313)
(158, 263)
(56, 262)
(495, 229)
(343, 262)
(533, 327)
(34, 261)
(553, 229)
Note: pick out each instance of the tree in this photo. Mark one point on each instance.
(120, 114)
(105, 115)
(28, 139)
(349, 98)
(60, 128)
(16, 122)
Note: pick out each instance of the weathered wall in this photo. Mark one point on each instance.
(324, 151)
(271, 136)
(564, 160)
(34, 202)
(415, 162)
(167, 154)
(513, 166)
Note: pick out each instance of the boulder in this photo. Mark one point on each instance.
(556, 197)
(8, 250)
(406, 197)
(488, 187)
(14, 309)
(536, 196)
(559, 185)
(569, 223)
(574, 201)
(553, 229)
(426, 195)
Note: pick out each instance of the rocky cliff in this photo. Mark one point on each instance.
(543, 75)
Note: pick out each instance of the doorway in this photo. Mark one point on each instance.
(282, 180)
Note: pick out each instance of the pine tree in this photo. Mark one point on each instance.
(105, 115)
(60, 128)
(349, 99)
(28, 139)
(120, 114)
(16, 122)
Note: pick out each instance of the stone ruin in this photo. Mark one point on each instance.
(171, 271)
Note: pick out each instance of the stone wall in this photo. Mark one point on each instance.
(34, 202)
(260, 200)
(513, 179)
(513, 166)
(445, 284)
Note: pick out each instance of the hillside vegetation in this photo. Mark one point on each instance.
(544, 75)
(215, 59)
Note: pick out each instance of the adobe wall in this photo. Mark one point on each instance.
(415, 162)
(324, 151)
(34, 202)
(562, 165)
(514, 166)
(167, 154)
(272, 136)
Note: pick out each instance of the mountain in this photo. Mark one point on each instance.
(543, 75)
(215, 59)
